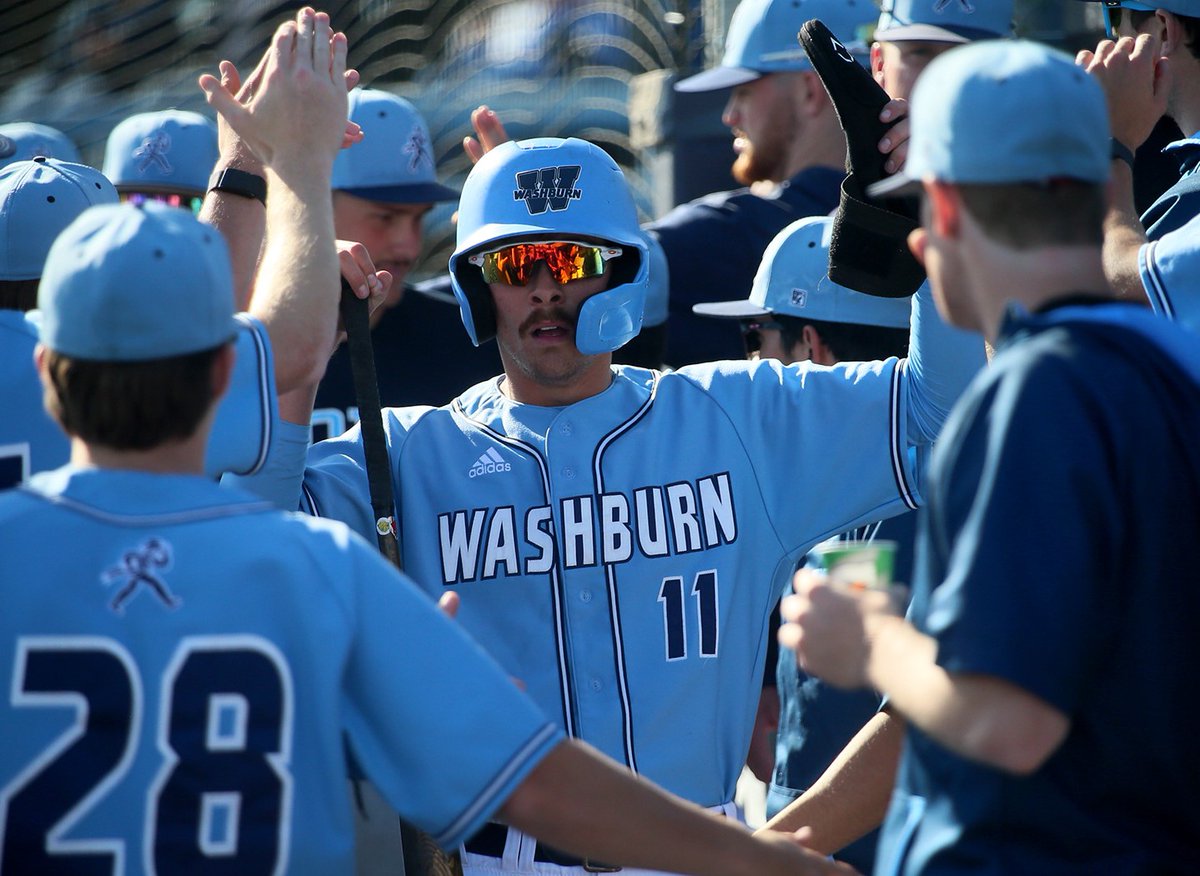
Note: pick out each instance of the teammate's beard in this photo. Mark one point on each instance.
(766, 157)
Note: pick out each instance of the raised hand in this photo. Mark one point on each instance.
(292, 109)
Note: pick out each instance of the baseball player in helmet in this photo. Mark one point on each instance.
(208, 660)
(618, 536)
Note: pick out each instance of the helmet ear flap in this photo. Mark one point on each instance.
(475, 304)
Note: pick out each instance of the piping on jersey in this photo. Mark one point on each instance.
(1157, 291)
(485, 803)
(168, 519)
(610, 576)
(556, 589)
(265, 393)
(898, 445)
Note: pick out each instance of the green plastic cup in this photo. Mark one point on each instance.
(858, 565)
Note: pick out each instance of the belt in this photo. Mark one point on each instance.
(491, 839)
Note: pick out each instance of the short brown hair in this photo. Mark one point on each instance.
(130, 405)
(1026, 216)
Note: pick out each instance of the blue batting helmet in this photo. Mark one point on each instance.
(546, 189)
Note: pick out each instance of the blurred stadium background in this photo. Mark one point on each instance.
(599, 69)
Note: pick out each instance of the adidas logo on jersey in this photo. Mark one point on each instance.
(489, 463)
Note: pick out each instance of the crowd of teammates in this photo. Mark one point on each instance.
(203, 664)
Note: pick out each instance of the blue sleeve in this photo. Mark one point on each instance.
(853, 437)
(435, 722)
(942, 360)
(1177, 205)
(279, 479)
(249, 412)
(1170, 272)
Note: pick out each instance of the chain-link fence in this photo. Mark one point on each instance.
(550, 67)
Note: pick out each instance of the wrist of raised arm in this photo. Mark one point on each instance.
(239, 157)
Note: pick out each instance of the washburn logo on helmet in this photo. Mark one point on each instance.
(548, 187)
(490, 463)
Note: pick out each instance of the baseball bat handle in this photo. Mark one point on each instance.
(356, 319)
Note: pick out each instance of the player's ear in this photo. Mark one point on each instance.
(1172, 35)
(811, 96)
(877, 63)
(818, 350)
(944, 208)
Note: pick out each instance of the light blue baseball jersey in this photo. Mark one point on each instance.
(622, 555)
(30, 441)
(1170, 271)
(183, 680)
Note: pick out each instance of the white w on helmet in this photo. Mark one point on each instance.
(552, 189)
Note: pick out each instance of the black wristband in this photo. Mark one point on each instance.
(1120, 152)
(239, 182)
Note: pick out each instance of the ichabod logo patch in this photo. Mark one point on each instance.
(153, 151)
(548, 188)
(417, 150)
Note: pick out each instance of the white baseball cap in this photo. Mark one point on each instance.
(1004, 111)
(792, 280)
(762, 38)
(132, 283)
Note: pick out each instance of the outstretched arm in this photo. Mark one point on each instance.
(241, 220)
(281, 123)
(624, 819)
(851, 797)
(942, 360)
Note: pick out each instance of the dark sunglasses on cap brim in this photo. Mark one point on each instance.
(1114, 12)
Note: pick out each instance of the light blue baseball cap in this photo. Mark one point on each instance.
(394, 161)
(130, 283)
(792, 280)
(20, 141)
(1004, 111)
(944, 21)
(762, 38)
(172, 151)
(38, 199)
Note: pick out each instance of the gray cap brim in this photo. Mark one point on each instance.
(742, 309)
(718, 78)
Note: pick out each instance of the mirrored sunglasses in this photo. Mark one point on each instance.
(1114, 13)
(566, 260)
(182, 201)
